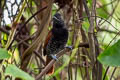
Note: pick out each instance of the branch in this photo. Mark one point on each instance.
(51, 63)
(90, 30)
(109, 31)
(86, 45)
(4, 30)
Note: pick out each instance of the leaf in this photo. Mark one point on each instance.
(18, 73)
(111, 56)
(102, 13)
(4, 54)
(102, 10)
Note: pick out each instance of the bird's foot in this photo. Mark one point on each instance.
(69, 47)
(54, 57)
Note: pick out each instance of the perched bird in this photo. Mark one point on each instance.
(55, 40)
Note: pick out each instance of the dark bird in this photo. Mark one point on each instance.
(55, 41)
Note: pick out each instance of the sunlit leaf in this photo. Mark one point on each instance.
(111, 56)
(103, 13)
(16, 72)
(4, 54)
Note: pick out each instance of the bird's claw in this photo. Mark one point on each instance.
(54, 57)
(69, 47)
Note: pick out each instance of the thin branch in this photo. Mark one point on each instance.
(106, 73)
(109, 31)
(4, 30)
(36, 53)
(32, 13)
(113, 73)
(86, 45)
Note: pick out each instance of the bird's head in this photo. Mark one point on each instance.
(58, 21)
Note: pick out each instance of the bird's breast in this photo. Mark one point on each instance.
(55, 45)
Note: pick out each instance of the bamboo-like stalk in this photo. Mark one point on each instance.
(14, 26)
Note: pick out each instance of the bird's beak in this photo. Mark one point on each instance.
(56, 18)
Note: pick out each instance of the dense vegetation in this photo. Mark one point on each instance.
(93, 33)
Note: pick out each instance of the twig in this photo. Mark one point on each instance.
(32, 12)
(109, 31)
(106, 73)
(4, 30)
(86, 45)
(113, 73)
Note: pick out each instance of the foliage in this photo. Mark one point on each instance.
(111, 55)
(16, 72)
(4, 54)
(93, 32)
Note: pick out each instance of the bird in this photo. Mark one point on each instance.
(55, 41)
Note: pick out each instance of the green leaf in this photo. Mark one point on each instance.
(102, 13)
(4, 54)
(18, 73)
(111, 56)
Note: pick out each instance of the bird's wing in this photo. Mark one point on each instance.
(46, 42)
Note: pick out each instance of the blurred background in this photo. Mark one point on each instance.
(93, 27)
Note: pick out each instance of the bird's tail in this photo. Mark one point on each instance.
(51, 70)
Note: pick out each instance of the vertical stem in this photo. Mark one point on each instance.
(14, 27)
